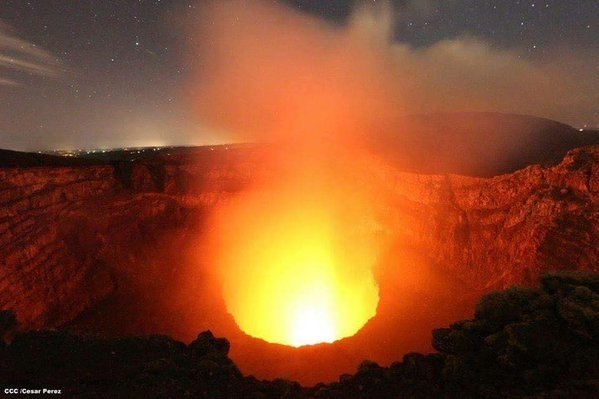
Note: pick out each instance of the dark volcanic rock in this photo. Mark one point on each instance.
(523, 343)
(8, 325)
(206, 344)
(527, 342)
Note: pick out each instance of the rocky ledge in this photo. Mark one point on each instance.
(522, 343)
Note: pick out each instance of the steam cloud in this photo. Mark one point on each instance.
(264, 66)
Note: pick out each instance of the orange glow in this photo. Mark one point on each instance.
(296, 251)
(289, 276)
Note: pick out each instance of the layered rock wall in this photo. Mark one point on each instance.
(507, 229)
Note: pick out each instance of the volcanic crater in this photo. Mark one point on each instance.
(115, 246)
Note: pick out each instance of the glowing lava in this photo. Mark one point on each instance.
(290, 274)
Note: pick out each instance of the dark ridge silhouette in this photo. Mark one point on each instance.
(471, 144)
(522, 343)
(18, 159)
(480, 144)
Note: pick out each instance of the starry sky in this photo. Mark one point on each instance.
(105, 74)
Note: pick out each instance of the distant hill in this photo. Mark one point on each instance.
(17, 159)
(474, 144)
(479, 144)
(153, 155)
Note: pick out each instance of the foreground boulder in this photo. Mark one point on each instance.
(522, 343)
(526, 342)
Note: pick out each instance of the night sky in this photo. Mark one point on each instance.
(110, 73)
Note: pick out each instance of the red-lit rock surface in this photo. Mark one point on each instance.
(70, 236)
(99, 247)
(505, 230)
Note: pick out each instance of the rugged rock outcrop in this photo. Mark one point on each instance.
(40, 266)
(504, 230)
(70, 235)
(522, 343)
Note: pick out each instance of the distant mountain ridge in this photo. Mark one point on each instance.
(19, 159)
(471, 144)
(480, 144)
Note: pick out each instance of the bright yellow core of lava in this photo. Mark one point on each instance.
(289, 279)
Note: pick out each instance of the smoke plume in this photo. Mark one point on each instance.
(265, 70)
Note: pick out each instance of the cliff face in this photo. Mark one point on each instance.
(507, 229)
(70, 237)
(44, 273)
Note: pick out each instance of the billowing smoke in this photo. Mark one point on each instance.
(268, 73)
(266, 69)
